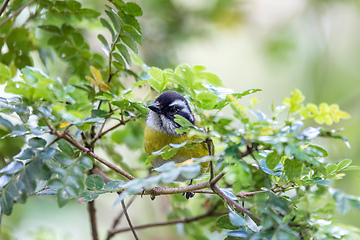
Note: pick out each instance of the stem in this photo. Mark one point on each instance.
(17, 12)
(3, 6)
(128, 219)
(92, 213)
(171, 222)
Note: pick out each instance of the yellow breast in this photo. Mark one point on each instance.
(155, 140)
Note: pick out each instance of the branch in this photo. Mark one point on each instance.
(237, 206)
(100, 134)
(3, 6)
(170, 222)
(72, 141)
(92, 213)
(18, 11)
(128, 219)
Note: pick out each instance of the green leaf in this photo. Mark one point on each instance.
(133, 33)
(37, 142)
(124, 52)
(224, 222)
(206, 100)
(94, 182)
(88, 13)
(114, 185)
(65, 147)
(322, 150)
(51, 28)
(6, 203)
(86, 162)
(115, 19)
(5, 74)
(13, 167)
(272, 160)
(212, 78)
(25, 154)
(120, 60)
(103, 41)
(342, 202)
(133, 9)
(293, 169)
(129, 42)
(108, 26)
(343, 165)
(236, 219)
(87, 196)
(4, 180)
(62, 197)
(330, 169)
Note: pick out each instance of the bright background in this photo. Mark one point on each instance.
(275, 45)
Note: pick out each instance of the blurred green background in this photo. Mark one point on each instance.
(275, 45)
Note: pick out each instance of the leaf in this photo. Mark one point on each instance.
(4, 180)
(293, 169)
(87, 196)
(5, 74)
(133, 9)
(114, 185)
(86, 162)
(62, 197)
(13, 167)
(320, 149)
(65, 147)
(235, 218)
(272, 160)
(343, 165)
(37, 142)
(94, 182)
(120, 198)
(124, 52)
(224, 222)
(104, 41)
(115, 19)
(129, 42)
(6, 203)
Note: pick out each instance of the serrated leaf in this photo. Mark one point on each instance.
(94, 182)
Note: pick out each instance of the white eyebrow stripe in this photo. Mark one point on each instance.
(179, 103)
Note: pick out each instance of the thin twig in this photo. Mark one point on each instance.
(171, 222)
(237, 206)
(92, 214)
(101, 134)
(128, 219)
(3, 6)
(117, 220)
(18, 11)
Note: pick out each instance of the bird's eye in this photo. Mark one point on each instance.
(173, 110)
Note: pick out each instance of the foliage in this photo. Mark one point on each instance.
(54, 124)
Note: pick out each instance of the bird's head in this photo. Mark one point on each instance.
(163, 110)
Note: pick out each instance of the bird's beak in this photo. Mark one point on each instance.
(155, 107)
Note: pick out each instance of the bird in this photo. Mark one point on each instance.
(161, 128)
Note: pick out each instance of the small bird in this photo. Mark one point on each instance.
(161, 128)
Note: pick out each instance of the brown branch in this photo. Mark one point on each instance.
(86, 151)
(237, 206)
(102, 133)
(128, 220)
(18, 11)
(117, 220)
(3, 6)
(170, 222)
(92, 214)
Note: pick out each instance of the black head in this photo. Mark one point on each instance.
(166, 106)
